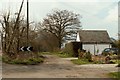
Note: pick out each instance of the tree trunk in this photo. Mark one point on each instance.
(59, 45)
(59, 42)
(2, 43)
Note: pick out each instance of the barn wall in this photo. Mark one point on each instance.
(95, 48)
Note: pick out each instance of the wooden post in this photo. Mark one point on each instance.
(27, 22)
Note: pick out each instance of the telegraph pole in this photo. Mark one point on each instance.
(27, 22)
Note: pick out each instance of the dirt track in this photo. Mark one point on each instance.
(55, 67)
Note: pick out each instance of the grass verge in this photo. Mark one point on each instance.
(115, 75)
(63, 55)
(60, 54)
(80, 61)
(25, 61)
(43, 53)
(116, 61)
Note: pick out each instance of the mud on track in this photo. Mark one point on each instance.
(56, 67)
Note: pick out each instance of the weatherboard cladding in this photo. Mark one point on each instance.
(94, 36)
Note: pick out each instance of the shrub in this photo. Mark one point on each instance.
(81, 54)
(88, 56)
(105, 53)
(115, 61)
(72, 48)
(85, 55)
(69, 48)
(114, 56)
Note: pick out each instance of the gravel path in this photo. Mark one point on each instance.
(56, 67)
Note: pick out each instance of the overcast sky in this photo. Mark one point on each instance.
(96, 14)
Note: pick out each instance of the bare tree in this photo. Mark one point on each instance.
(10, 41)
(47, 40)
(12, 29)
(15, 28)
(59, 21)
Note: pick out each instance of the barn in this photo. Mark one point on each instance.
(94, 41)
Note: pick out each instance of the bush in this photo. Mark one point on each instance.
(114, 56)
(85, 55)
(72, 48)
(88, 56)
(69, 48)
(81, 54)
(115, 61)
(105, 53)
